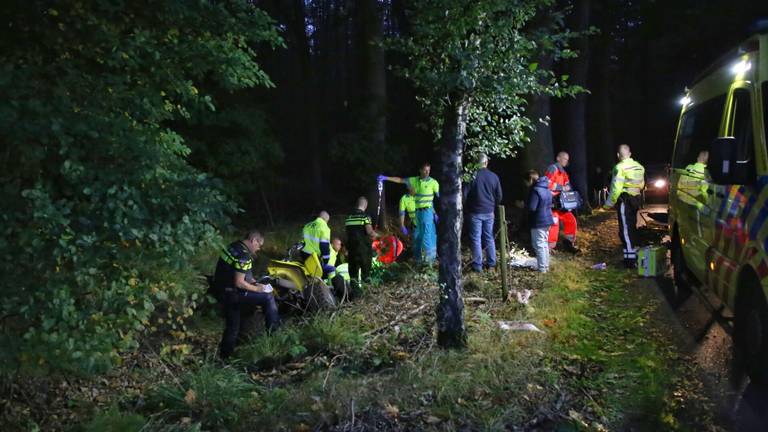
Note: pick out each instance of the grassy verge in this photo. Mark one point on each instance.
(599, 364)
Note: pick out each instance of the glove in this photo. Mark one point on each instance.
(268, 288)
(380, 178)
(404, 230)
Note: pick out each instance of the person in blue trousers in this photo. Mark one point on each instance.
(425, 235)
(481, 197)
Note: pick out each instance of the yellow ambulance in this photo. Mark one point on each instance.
(718, 206)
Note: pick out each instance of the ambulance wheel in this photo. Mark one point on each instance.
(751, 332)
(680, 273)
(318, 296)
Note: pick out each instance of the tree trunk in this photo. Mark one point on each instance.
(539, 153)
(451, 332)
(606, 143)
(308, 100)
(374, 89)
(375, 82)
(577, 109)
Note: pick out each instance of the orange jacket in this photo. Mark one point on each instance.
(558, 178)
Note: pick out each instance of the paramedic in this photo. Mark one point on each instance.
(560, 182)
(425, 235)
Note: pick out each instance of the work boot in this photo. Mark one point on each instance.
(568, 246)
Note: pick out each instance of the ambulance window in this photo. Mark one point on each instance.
(698, 128)
(765, 108)
(742, 119)
(742, 128)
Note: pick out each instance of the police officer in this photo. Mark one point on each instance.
(359, 235)
(426, 189)
(317, 240)
(626, 187)
(239, 293)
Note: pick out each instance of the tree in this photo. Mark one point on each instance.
(474, 64)
(102, 211)
(576, 118)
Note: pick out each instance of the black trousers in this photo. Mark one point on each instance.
(359, 262)
(239, 307)
(626, 210)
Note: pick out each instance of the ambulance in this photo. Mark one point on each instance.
(718, 205)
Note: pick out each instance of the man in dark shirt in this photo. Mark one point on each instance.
(239, 293)
(482, 196)
(359, 236)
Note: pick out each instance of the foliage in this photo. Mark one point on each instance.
(101, 208)
(113, 420)
(216, 396)
(338, 334)
(483, 53)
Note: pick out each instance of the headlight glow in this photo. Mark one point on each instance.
(685, 100)
(741, 67)
(659, 183)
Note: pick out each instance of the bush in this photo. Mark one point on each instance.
(101, 209)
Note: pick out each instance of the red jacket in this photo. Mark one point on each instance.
(558, 178)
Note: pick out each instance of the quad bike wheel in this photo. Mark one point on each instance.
(318, 296)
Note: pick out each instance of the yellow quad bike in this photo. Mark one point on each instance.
(300, 284)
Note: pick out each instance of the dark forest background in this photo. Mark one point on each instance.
(339, 114)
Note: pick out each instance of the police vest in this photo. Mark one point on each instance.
(628, 177)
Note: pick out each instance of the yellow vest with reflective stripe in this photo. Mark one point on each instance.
(692, 186)
(316, 232)
(426, 189)
(408, 205)
(628, 177)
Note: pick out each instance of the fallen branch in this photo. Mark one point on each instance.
(475, 300)
(396, 320)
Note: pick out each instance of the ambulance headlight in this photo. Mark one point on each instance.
(741, 67)
(659, 183)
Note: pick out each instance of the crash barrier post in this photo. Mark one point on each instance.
(504, 250)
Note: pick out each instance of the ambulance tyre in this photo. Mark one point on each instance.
(751, 332)
(680, 272)
(318, 296)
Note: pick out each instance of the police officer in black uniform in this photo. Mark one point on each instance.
(239, 293)
(359, 235)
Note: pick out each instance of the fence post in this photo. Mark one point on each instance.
(504, 251)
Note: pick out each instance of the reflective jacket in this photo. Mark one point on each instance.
(408, 205)
(558, 178)
(317, 239)
(693, 183)
(426, 189)
(629, 178)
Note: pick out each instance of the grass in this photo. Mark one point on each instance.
(597, 366)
